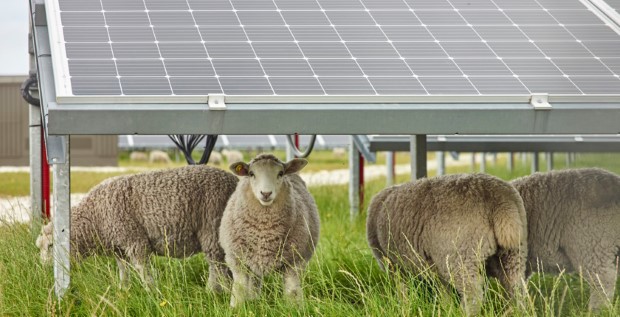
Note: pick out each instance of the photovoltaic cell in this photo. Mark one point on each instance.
(336, 47)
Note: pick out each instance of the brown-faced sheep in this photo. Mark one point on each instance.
(455, 224)
(174, 212)
(271, 224)
(574, 225)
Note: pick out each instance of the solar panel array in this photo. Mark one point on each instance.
(337, 47)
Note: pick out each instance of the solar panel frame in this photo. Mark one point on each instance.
(264, 92)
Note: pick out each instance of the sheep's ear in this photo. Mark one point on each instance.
(295, 165)
(240, 168)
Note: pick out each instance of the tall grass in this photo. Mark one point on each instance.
(342, 280)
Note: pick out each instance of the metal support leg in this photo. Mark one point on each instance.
(62, 223)
(535, 163)
(389, 163)
(36, 184)
(473, 162)
(441, 162)
(354, 179)
(511, 162)
(483, 163)
(418, 156)
(549, 161)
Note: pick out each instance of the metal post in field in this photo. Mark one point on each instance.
(61, 220)
(441, 162)
(417, 148)
(483, 163)
(535, 163)
(35, 150)
(473, 161)
(510, 162)
(354, 179)
(389, 163)
(549, 158)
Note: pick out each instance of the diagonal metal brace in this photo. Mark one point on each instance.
(362, 143)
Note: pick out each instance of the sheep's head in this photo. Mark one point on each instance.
(266, 173)
(44, 242)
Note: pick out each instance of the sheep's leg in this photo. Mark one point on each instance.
(292, 284)
(512, 272)
(143, 269)
(466, 278)
(219, 277)
(122, 270)
(602, 283)
(245, 286)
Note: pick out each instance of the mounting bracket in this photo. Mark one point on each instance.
(540, 102)
(217, 102)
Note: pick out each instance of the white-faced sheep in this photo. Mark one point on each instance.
(574, 225)
(159, 157)
(175, 212)
(271, 224)
(232, 156)
(455, 224)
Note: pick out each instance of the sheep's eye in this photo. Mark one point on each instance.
(281, 174)
(251, 174)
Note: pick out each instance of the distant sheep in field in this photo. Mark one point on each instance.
(455, 224)
(574, 225)
(137, 156)
(175, 212)
(339, 152)
(271, 223)
(215, 158)
(232, 156)
(159, 157)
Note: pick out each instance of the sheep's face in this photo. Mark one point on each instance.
(266, 176)
(45, 242)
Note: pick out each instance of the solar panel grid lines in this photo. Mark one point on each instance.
(335, 48)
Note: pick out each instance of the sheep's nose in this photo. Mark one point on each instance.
(266, 195)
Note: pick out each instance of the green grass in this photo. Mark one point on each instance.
(342, 278)
(17, 184)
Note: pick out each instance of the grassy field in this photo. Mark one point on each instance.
(342, 279)
(16, 183)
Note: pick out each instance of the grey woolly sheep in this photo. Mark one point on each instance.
(137, 156)
(159, 157)
(455, 224)
(574, 225)
(271, 224)
(232, 156)
(174, 212)
(215, 158)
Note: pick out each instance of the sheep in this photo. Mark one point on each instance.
(159, 157)
(271, 224)
(339, 152)
(137, 156)
(573, 225)
(215, 158)
(454, 223)
(232, 156)
(174, 212)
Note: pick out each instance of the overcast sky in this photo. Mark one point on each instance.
(13, 37)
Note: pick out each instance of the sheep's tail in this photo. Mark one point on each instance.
(509, 226)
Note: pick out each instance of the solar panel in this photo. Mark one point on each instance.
(322, 48)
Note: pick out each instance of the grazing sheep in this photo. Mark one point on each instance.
(215, 158)
(574, 225)
(137, 156)
(453, 223)
(339, 152)
(232, 156)
(159, 157)
(175, 212)
(271, 223)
